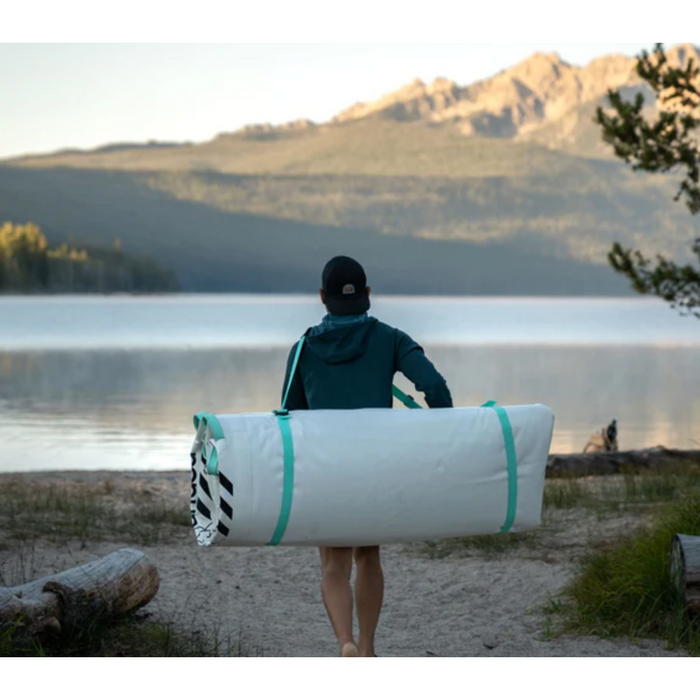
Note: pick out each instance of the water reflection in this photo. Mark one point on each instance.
(119, 409)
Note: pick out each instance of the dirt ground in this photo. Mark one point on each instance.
(461, 603)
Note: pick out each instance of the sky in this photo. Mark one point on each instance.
(86, 95)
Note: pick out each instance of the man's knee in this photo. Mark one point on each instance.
(366, 556)
(336, 560)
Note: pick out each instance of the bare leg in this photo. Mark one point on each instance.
(369, 594)
(336, 564)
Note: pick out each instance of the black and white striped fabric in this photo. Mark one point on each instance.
(211, 496)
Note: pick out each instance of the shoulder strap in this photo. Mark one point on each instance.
(300, 345)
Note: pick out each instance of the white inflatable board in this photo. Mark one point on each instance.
(369, 476)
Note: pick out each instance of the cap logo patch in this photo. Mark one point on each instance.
(349, 289)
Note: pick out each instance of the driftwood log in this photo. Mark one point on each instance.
(685, 570)
(72, 600)
(634, 462)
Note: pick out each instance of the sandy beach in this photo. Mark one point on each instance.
(437, 602)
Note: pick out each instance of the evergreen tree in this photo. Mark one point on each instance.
(667, 143)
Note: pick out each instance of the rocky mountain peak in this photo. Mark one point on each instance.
(540, 90)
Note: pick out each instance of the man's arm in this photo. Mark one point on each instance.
(417, 368)
(296, 400)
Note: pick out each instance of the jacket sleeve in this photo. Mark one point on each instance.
(417, 368)
(296, 401)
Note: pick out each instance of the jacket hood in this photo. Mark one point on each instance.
(340, 344)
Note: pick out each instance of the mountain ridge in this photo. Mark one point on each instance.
(514, 103)
(440, 195)
(538, 90)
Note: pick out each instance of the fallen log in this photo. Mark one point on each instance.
(71, 601)
(685, 570)
(634, 462)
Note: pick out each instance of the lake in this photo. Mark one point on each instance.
(112, 382)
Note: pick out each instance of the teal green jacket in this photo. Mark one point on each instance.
(353, 366)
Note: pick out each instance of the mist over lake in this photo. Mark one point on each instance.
(113, 382)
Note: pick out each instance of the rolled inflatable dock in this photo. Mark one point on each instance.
(368, 476)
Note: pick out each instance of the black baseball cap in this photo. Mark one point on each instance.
(345, 285)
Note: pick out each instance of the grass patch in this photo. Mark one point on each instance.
(621, 492)
(605, 498)
(481, 545)
(564, 493)
(626, 589)
(133, 635)
(88, 511)
(661, 486)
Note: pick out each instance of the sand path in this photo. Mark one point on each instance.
(270, 597)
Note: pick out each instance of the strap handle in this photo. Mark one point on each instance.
(410, 402)
(300, 345)
(202, 421)
(405, 399)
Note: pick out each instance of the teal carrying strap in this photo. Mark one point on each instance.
(283, 418)
(511, 462)
(405, 399)
(287, 455)
(288, 478)
(300, 345)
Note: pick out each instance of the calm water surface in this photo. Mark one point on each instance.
(113, 382)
